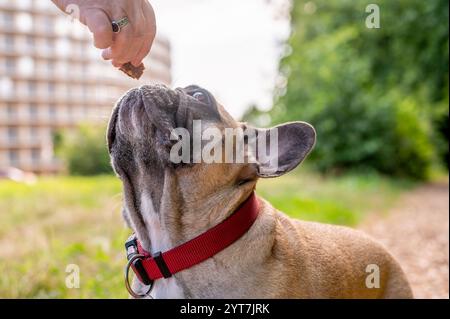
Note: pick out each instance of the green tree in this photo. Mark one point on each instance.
(377, 97)
(84, 150)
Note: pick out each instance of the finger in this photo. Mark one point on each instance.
(122, 42)
(145, 48)
(125, 46)
(116, 64)
(130, 53)
(100, 26)
(143, 52)
(126, 34)
(136, 61)
(149, 33)
(128, 43)
(142, 28)
(150, 20)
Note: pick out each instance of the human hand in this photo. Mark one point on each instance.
(134, 41)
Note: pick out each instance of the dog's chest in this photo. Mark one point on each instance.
(160, 241)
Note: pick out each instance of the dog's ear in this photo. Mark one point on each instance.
(287, 145)
(111, 131)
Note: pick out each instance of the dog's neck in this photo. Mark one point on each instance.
(182, 216)
(179, 219)
(155, 229)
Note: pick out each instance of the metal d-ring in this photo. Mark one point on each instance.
(127, 281)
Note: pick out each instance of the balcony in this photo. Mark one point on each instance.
(57, 120)
(37, 7)
(91, 99)
(20, 143)
(44, 52)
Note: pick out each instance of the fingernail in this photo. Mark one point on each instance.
(106, 54)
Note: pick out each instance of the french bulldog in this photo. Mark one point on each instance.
(168, 203)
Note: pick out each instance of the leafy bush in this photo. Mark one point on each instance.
(377, 97)
(84, 151)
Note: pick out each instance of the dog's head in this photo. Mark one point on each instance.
(183, 142)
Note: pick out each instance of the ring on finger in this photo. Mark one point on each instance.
(118, 25)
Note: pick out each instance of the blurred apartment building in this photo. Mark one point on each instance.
(51, 78)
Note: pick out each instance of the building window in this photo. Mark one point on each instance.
(31, 88)
(51, 88)
(12, 112)
(30, 42)
(33, 110)
(49, 25)
(10, 65)
(84, 70)
(7, 20)
(8, 41)
(35, 156)
(50, 67)
(13, 158)
(34, 134)
(69, 111)
(52, 111)
(49, 44)
(84, 92)
(12, 134)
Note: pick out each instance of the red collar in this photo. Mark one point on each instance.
(149, 268)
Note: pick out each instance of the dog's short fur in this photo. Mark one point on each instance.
(168, 204)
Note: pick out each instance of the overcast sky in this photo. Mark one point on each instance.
(230, 47)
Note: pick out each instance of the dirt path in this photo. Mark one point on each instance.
(416, 232)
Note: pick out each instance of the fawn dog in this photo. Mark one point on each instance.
(168, 203)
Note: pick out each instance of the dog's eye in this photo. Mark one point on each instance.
(200, 96)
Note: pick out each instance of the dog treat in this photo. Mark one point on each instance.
(132, 71)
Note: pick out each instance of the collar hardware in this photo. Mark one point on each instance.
(162, 266)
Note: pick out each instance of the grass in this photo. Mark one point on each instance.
(61, 221)
(339, 200)
(57, 222)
